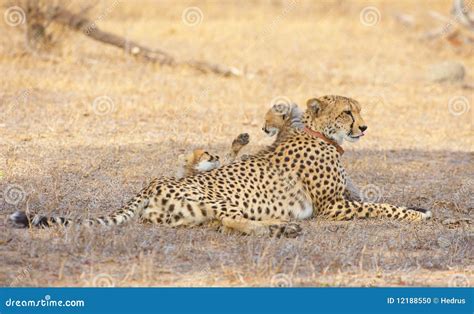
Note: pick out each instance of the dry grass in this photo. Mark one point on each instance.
(68, 159)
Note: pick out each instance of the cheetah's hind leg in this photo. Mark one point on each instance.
(272, 228)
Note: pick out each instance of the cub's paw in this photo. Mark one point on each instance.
(243, 139)
(289, 230)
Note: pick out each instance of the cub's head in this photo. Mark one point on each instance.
(280, 116)
(337, 117)
(197, 161)
(203, 161)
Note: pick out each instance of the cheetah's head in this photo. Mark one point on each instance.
(337, 117)
(280, 116)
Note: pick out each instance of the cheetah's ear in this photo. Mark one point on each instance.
(314, 106)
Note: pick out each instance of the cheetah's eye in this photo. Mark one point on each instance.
(348, 112)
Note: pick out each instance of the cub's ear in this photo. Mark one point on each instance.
(314, 106)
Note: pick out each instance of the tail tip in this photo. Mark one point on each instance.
(19, 219)
(427, 215)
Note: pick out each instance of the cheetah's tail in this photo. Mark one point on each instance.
(134, 207)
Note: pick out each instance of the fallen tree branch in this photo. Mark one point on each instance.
(214, 68)
(89, 28)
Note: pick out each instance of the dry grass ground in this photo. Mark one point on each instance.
(63, 157)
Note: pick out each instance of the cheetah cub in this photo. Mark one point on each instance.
(201, 161)
(197, 161)
(281, 118)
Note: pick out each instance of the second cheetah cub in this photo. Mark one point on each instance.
(281, 118)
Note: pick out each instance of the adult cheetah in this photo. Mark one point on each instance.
(298, 177)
